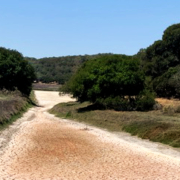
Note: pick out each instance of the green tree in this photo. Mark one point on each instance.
(171, 38)
(159, 59)
(15, 71)
(168, 85)
(163, 54)
(112, 81)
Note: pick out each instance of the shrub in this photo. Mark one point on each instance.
(116, 103)
(145, 101)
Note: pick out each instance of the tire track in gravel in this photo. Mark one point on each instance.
(46, 147)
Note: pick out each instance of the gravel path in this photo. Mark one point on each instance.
(41, 146)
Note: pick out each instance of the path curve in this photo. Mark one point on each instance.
(41, 146)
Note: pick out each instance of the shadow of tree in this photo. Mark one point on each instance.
(91, 107)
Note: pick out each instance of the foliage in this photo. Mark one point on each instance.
(168, 85)
(160, 60)
(111, 81)
(172, 39)
(58, 69)
(15, 71)
(145, 100)
(117, 103)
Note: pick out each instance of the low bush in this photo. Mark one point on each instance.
(116, 103)
(145, 101)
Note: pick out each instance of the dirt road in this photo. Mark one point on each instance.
(41, 146)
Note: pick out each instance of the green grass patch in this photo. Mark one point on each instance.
(152, 125)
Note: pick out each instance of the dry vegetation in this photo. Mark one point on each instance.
(170, 106)
(157, 125)
(12, 105)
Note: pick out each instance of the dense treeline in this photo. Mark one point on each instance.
(161, 63)
(120, 82)
(58, 69)
(16, 72)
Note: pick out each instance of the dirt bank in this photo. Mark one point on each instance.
(41, 146)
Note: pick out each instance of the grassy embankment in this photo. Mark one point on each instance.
(12, 106)
(157, 125)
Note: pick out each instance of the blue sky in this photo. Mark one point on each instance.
(46, 28)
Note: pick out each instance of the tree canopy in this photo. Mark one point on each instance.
(159, 60)
(15, 71)
(163, 54)
(112, 81)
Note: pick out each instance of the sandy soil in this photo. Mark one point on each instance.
(41, 146)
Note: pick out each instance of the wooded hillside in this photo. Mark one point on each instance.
(160, 63)
(58, 69)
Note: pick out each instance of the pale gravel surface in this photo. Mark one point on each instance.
(41, 146)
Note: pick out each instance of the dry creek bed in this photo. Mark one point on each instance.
(41, 146)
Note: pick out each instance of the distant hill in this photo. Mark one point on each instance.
(58, 69)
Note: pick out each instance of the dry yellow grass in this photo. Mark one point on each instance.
(169, 106)
(168, 102)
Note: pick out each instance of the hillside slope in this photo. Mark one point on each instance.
(58, 69)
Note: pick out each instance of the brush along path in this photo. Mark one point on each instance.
(46, 147)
